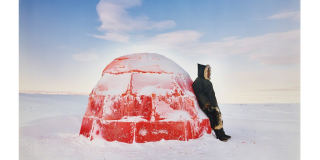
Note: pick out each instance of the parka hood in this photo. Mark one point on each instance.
(202, 71)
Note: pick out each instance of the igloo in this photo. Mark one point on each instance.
(141, 98)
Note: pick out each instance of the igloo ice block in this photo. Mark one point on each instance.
(141, 98)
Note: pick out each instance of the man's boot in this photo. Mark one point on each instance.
(220, 135)
(224, 134)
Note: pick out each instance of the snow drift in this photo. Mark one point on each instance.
(144, 97)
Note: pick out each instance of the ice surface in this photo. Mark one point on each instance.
(49, 129)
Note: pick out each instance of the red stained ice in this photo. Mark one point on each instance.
(143, 97)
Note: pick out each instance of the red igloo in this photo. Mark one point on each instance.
(144, 97)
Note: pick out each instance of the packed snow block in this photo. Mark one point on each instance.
(143, 97)
(200, 129)
(114, 131)
(155, 131)
(95, 106)
(86, 126)
(176, 130)
(195, 129)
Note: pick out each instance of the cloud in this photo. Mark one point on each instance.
(277, 48)
(63, 47)
(280, 79)
(286, 15)
(176, 38)
(85, 57)
(117, 21)
(229, 38)
(117, 37)
(163, 24)
(271, 48)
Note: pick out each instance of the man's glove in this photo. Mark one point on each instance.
(209, 107)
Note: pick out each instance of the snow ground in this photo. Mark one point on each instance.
(49, 129)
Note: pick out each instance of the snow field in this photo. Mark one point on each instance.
(49, 128)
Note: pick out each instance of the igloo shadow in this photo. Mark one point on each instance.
(144, 97)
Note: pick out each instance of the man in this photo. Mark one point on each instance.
(207, 100)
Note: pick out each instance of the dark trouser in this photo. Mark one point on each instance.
(214, 116)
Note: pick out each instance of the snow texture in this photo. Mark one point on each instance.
(49, 129)
(113, 84)
(144, 62)
(147, 74)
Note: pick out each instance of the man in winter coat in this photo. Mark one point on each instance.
(207, 100)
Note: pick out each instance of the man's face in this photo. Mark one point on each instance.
(208, 73)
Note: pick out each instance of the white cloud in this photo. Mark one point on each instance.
(63, 47)
(117, 21)
(117, 37)
(85, 57)
(163, 24)
(286, 15)
(272, 79)
(176, 38)
(277, 48)
(229, 38)
(281, 84)
(271, 48)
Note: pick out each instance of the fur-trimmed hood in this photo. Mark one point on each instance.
(202, 71)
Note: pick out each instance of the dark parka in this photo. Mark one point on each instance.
(206, 97)
(203, 88)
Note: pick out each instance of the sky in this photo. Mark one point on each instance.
(253, 47)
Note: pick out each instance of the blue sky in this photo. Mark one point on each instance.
(253, 47)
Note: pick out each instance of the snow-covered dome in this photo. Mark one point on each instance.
(144, 97)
